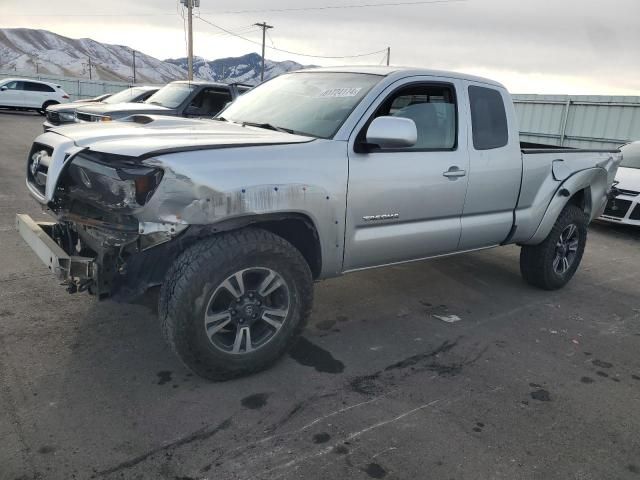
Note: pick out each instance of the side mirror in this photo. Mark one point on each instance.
(3, 88)
(392, 132)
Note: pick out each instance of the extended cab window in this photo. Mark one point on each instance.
(488, 118)
(432, 108)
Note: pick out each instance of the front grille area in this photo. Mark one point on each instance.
(37, 171)
(53, 117)
(635, 215)
(617, 208)
(86, 117)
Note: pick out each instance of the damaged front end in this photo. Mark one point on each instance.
(98, 243)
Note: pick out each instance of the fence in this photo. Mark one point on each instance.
(581, 121)
(77, 88)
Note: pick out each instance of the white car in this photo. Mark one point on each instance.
(26, 94)
(625, 208)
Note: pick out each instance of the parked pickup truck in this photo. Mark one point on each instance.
(309, 176)
(182, 98)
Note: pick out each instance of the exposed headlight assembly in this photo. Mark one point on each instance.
(112, 181)
(67, 116)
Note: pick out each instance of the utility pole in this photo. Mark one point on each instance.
(264, 27)
(388, 55)
(89, 65)
(134, 65)
(190, 4)
(190, 48)
(36, 63)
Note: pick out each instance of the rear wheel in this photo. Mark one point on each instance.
(551, 264)
(233, 304)
(46, 105)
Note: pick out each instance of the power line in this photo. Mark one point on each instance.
(234, 12)
(289, 51)
(336, 7)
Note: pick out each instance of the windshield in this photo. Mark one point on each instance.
(631, 155)
(124, 96)
(171, 95)
(311, 103)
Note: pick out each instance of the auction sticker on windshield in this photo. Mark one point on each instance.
(340, 92)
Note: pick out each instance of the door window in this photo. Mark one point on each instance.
(433, 110)
(15, 85)
(488, 118)
(209, 102)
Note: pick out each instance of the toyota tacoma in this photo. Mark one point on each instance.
(309, 176)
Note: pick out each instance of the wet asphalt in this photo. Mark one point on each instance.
(526, 385)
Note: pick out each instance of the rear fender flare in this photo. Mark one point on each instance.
(592, 181)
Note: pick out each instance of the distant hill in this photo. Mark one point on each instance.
(244, 69)
(21, 48)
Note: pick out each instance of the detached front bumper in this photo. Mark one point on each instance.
(78, 273)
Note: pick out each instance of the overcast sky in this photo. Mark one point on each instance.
(532, 46)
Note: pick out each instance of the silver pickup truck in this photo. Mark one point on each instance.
(309, 176)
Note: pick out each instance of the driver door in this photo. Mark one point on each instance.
(12, 94)
(406, 203)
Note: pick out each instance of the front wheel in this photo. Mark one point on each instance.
(45, 105)
(551, 264)
(232, 304)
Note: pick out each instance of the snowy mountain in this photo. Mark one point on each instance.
(245, 69)
(22, 48)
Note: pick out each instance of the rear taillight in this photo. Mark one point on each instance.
(65, 96)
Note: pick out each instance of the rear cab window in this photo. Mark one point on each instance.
(488, 118)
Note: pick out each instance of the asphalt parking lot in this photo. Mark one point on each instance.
(527, 385)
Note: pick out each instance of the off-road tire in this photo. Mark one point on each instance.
(200, 269)
(536, 261)
(42, 111)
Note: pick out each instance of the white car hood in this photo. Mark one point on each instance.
(161, 133)
(629, 178)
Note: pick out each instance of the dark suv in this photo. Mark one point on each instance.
(182, 98)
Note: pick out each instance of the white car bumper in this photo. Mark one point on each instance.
(625, 209)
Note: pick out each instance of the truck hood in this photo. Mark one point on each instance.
(123, 108)
(149, 135)
(629, 178)
(70, 107)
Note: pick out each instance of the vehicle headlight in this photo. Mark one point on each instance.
(105, 118)
(111, 181)
(67, 116)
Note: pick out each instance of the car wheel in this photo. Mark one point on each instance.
(551, 264)
(234, 303)
(46, 105)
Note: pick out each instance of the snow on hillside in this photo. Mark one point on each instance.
(21, 48)
(245, 69)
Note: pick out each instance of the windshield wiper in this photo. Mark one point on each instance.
(268, 126)
(220, 119)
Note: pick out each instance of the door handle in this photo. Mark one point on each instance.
(454, 172)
